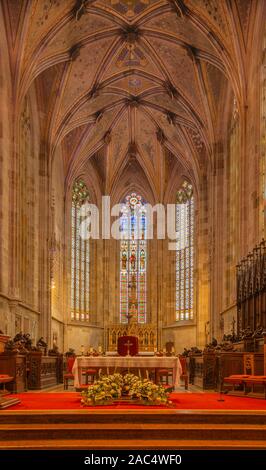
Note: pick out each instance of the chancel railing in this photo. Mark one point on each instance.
(147, 336)
(251, 289)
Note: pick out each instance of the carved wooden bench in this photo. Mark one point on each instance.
(6, 401)
(4, 379)
(253, 380)
(235, 380)
(248, 381)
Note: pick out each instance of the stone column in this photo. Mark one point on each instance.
(44, 255)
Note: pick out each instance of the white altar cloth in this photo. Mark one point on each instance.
(125, 362)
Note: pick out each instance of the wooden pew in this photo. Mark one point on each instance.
(247, 380)
(5, 399)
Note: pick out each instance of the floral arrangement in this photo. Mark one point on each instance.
(113, 387)
(149, 393)
(103, 391)
(129, 380)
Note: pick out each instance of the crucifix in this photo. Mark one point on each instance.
(128, 344)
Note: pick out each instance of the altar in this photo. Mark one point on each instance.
(125, 362)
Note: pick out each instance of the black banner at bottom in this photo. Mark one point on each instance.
(128, 459)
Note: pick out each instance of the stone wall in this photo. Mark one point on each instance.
(36, 177)
(77, 336)
(239, 200)
(57, 241)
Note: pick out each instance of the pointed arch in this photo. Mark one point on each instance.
(133, 261)
(185, 253)
(80, 257)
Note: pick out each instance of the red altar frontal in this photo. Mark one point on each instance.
(128, 345)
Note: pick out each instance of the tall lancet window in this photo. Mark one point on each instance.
(184, 252)
(133, 261)
(80, 257)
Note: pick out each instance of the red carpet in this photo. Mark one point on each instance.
(185, 401)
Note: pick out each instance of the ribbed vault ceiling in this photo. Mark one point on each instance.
(132, 76)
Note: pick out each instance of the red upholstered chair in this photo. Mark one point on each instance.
(90, 374)
(149, 373)
(68, 375)
(184, 375)
(163, 375)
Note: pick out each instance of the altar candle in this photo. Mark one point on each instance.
(100, 349)
(82, 349)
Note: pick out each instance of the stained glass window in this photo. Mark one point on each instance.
(80, 257)
(133, 261)
(184, 252)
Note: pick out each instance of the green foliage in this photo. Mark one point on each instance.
(112, 387)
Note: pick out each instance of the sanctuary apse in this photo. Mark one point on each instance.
(158, 100)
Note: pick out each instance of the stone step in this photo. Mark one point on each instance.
(7, 402)
(132, 416)
(133, 431)
(125, 444)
